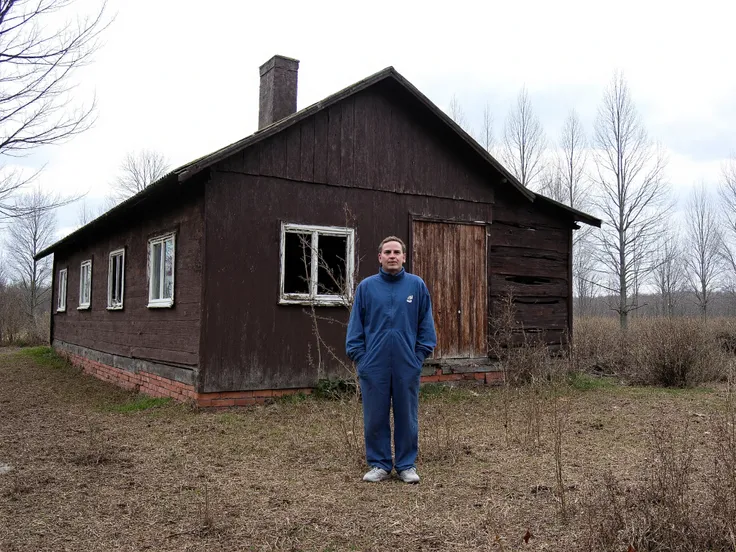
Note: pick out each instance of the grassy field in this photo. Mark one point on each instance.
(85, 466)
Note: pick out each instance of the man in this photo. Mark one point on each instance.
(391, 332)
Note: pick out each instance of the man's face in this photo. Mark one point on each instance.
(391, 257)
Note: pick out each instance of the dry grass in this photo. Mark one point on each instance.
(91, 473)
(672, 352)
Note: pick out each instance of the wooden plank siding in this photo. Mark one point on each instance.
(387, 163)
(369, 141)
(168, 335)
(530, 260)
(251, 341)
(451, 258)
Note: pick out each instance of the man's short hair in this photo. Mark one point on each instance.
(390, 239)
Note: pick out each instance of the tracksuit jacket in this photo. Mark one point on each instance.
(390, 333)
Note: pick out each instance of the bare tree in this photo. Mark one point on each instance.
(29, 234)
(486, 137)
(524, 141)
(3, 296)
(85, 213)
(39, 52)
(139, 170)
(669, 272)
(585, 277)
(572, 161)
(703, 246)
(3, 271)
(632, 193)
(552, 185)
(727, 193)
(11, 313)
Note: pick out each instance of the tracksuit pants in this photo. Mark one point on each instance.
(381, 388)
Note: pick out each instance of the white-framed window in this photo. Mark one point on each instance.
(85, 285)
(161, 253)
(116, 280)
(61, 299)
(317, 264)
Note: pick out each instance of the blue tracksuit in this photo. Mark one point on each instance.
(391, 332)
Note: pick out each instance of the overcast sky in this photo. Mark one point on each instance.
(181, 77)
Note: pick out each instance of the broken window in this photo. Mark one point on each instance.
(316, 264)
(297, 262)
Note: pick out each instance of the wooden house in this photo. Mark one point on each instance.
(197, 287)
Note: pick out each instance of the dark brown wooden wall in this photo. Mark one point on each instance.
(168, 335)
(368, 153)
(529, 258)
(370, 141)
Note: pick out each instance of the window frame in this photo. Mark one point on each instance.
(161, 303)
(61, 307)
(314, 298)
(121, 280)
(82, 304)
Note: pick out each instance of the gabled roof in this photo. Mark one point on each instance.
(188, 170)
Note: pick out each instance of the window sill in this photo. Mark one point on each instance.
(161, 304)
(115, 308)
(318, 302)
(83, 307)
(61, 310)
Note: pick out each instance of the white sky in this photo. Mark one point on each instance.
(181, 77)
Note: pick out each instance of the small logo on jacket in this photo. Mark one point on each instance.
(410, 299)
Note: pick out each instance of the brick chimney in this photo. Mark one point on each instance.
(278, 90)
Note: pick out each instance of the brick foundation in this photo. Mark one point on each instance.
(156, 386)
(491, 378)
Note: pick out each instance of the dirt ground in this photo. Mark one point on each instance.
(89, 467)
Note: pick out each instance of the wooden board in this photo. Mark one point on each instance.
(451, 258)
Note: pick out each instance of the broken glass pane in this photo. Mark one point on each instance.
(297, 262)
(332, 271)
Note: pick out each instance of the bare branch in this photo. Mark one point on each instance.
(524, 141)
(669, 275)
(727, 194)
(28, 235)
(486, 136)
(139, 170)
(703, 246)
(457, 114)
(39, 53)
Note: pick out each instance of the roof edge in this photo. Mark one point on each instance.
(190, 169)
(170, 178)
(578, 216)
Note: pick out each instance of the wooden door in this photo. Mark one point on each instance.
(452, 259)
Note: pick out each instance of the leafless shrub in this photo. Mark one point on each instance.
(592, 340)
(346, 388)
(205, 517)
(524, 356)
(664, 512)
(723, 482)
(95, 449)
(674, 353)
(531, 372)
(439, 441)
(559, 422)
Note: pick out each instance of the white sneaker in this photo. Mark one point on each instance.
(409, 476)
(376, 475)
